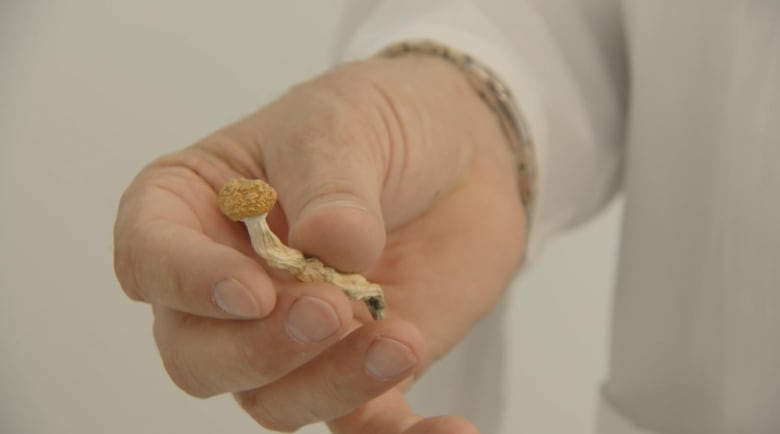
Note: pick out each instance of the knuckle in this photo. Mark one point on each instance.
(123, 265)
(124, 274)
(361, 92)
(179, 370)
(132, 263)
(151, 269)
(332, 388)
(257, 407)
(181, 376)
(124, 235)
(256, 360)
(344, 112)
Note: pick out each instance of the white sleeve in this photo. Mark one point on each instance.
(562, 59)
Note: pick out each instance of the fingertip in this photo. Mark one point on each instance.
(240, 287)
(240, 299)
(344, 235)
(395, 349)
(263, 291)
(317, 301)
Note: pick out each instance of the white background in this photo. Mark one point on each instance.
(92, 90)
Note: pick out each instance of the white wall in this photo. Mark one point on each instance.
(89, 92)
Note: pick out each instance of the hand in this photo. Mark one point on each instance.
(394, 168)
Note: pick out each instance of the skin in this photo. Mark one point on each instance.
(390, 167)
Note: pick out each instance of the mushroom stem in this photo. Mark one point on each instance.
(249, 201)
(309, 269)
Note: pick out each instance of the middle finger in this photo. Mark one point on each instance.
(206, 356)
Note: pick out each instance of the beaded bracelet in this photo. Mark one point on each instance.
(496, 95)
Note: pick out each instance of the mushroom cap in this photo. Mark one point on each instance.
(243, 198)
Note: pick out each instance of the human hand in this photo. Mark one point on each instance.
(393, 168)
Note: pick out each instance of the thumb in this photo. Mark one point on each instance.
(330, 193)
(351, 155)
(390, 413)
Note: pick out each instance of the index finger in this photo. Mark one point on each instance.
(164, 256)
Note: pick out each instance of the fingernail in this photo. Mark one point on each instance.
(387, 358)
(234, 298)
(311, 320)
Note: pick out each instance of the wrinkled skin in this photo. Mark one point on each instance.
(394, 168)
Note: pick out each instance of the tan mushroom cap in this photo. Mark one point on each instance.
(243, 198)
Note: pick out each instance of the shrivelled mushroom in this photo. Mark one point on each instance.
(250, 201)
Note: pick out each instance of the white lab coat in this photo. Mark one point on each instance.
(677, 103)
